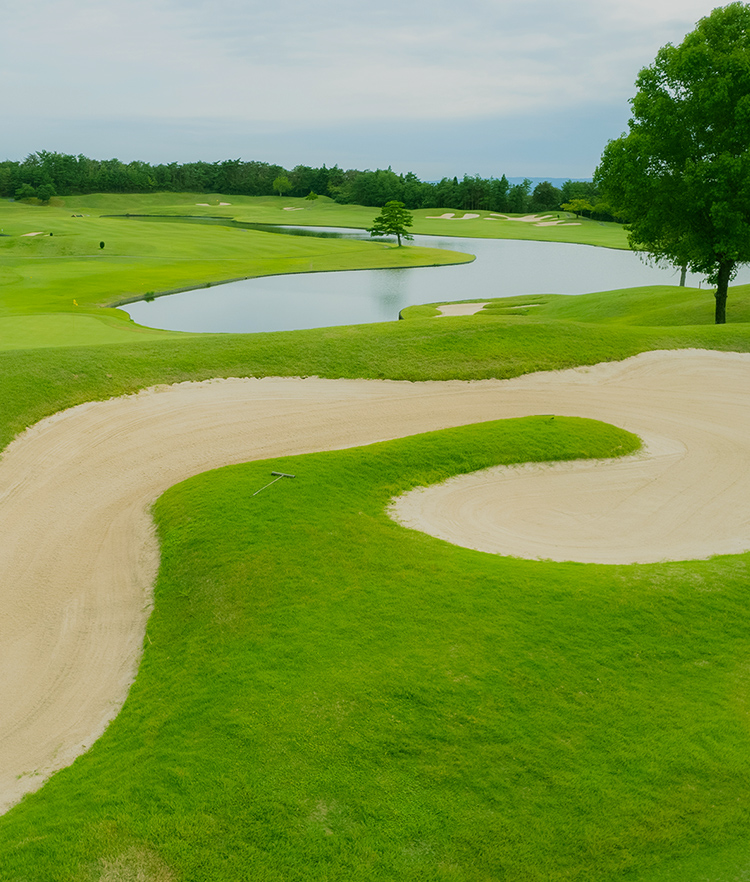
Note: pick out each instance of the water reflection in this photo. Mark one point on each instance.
(503, 268)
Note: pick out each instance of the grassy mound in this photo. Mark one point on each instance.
(325, 695)
(653, 306)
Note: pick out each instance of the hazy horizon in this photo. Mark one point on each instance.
(533, 89)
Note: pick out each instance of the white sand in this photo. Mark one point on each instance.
(41, 233)
(460, 309)
(293, 208)
(530, 218)
(451, 216)
(558, 223)
(78, 555)
(687, 496)
(537, 220)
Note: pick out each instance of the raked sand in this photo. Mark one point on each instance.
(78, 556)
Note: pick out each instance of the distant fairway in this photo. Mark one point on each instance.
(63, 271)
(325, 212)
(325, 695)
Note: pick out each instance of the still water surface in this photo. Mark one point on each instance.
(503, 268)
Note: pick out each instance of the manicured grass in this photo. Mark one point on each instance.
(325, 695)
(489, 226)
(326, 212)
(665, 306)
(62, 271)
(652, 306)
(35, 383)
(69, 272)
(322, 722)
(70, 329)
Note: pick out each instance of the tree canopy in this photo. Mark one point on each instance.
(577, 206)
(681, 176)
(282, 185)
(392, 221)
(72, 175)
(545, 197)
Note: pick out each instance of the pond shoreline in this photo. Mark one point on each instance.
(494, 269)
(307, 272)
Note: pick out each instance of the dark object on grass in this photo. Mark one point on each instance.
(101, 244)
(279, 476)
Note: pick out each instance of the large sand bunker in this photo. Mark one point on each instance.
(78, 555)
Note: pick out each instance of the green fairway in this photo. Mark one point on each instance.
(325, 695)
(325, 212)
(53, 268)
(52, 265)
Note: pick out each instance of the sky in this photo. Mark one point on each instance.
(488, 87)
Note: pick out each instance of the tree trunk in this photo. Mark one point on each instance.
(398, 236)
(683, 275)
(722, 288)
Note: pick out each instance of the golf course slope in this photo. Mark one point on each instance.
(76, 490)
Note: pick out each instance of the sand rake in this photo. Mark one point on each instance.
(279, 476)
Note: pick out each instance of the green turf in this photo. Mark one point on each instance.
(35, 383)
(55, 330)
(655, 306)
(64, 269)
(325, 695)
(333, 697)
(325, 212)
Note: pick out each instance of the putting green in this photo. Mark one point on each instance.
(45, 331)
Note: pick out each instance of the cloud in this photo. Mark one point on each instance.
(331, 63)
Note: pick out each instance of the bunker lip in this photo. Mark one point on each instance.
(78, 557)
(450, 309)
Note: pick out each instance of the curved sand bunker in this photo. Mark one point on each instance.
(78, 555)
(451, 215)
(536, 219)
(685, 496)
(449, 309)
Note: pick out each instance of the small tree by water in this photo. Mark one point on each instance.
(393, 220)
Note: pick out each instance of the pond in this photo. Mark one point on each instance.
(503, 268)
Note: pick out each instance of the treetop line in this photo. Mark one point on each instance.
(45, 174)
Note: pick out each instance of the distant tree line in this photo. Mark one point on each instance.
(45, 174)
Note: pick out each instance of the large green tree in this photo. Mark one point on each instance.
(681, 175)
(546, 197)
(393, 220)
(282, 184)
